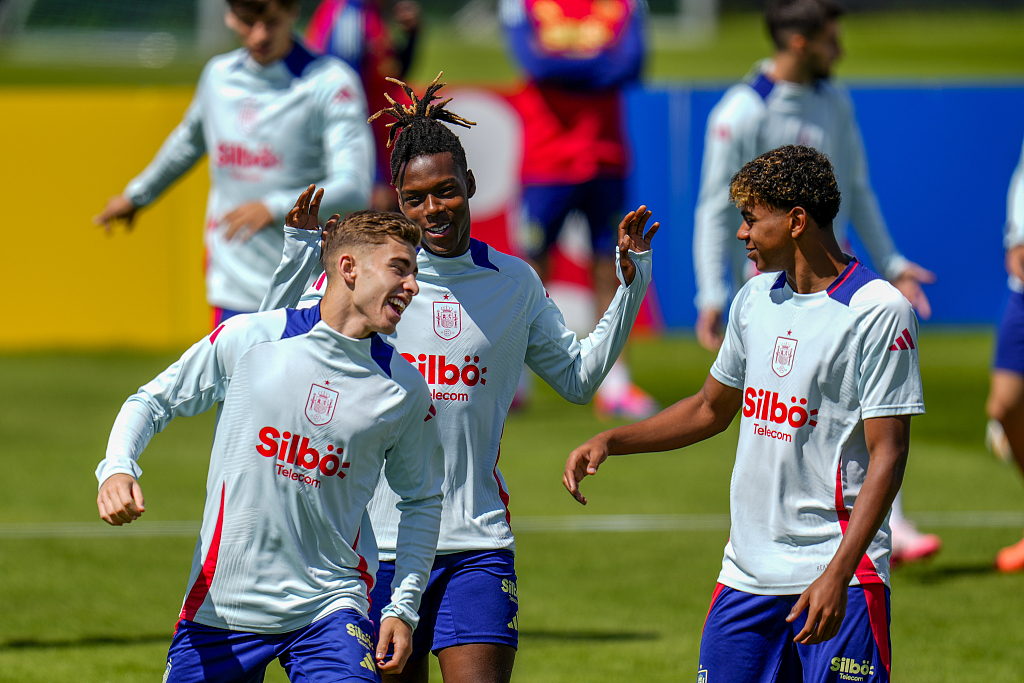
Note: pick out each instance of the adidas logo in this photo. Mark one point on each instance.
(368, 663)
(514, 624)
(903, 342)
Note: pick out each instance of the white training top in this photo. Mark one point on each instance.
(307, 417)
(812, 368)
(477, 318)
(1013, 233)
(270, 132)
(757, 116)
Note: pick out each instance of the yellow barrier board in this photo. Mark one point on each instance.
(69, 285)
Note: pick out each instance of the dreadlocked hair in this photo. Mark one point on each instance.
(417, 129)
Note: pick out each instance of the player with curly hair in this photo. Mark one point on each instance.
(820, 355)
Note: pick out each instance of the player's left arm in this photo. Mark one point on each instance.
(295, 280)
(866, 216)
(888, 441)
(575, 367)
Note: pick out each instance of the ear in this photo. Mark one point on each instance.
(470, 183)
(348, 269)
(796, 43)
(799, 221)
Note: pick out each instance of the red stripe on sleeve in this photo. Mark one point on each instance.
(900, 343)
(906, 335)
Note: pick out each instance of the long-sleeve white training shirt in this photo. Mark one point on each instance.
(1013, 232)
(754, 117)
(306, 420)
(477, 318)
(269, 131)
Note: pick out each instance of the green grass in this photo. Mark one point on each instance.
(595, 607)
(950, 45)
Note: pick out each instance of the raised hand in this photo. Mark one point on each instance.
(305, 215)
(631, 236)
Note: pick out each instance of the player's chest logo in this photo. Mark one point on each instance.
(249, 115)
(321, 404)
(783, 356)
(447, 319)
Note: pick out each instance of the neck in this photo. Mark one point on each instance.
(339, 313)
(818, 261)
(788, 67)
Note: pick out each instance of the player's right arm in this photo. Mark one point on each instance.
(727, 146)
(179, 152)
(191, 385)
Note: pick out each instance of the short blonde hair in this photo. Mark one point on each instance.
(365, 228)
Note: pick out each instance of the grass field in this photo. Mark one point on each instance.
(84, 603)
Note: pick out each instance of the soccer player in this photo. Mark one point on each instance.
(821, 356)
(790, 100)
(479, 316)
(273, 118)
(311, 405)
(1006, 396)
(578, 57)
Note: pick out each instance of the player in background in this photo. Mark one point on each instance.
(1006, 396)
(311, 405)
(355, 32)
(480, 315)
(821, 356)
(790, 99)
(578, 56)
(273, 118)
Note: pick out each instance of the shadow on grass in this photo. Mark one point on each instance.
(941, 574)
(589, 636)
(84, 641)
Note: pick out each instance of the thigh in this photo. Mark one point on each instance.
(746, 639)
(601, 201)
(477, 663)
(860, 652)
(338, 647)
(1010, 339)
(544, 210)
(480, 603)
(201, 653)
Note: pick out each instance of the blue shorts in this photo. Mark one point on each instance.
(1010, 341)
(747, 640)
(338, 647)
(546, 206)
(470, 598)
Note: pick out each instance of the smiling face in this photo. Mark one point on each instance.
(267, 35)
(434, 193)
(384, 285)
(768, 236)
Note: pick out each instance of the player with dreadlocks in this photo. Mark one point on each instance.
(480, 314)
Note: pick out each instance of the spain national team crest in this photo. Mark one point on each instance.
(321, 404)
(782, 357)
(447, 319)
(249, 115)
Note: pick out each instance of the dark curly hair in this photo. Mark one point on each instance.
(419, 130)
(788, 177)
(803, 17)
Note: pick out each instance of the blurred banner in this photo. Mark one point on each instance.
(940, 156)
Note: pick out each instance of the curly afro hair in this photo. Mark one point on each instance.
(787, 177)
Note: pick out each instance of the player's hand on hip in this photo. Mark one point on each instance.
(909, 283)
(394, 632)
(709, 329)
(118, 208)
(1015, 261)
(120, 500)
(246, 220)
(632, 237)
(825, 602)
(584, 462)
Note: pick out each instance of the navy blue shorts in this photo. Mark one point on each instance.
(470, 598)
(1010, 341)
(747, 640)
(338, 647)
(546, 206)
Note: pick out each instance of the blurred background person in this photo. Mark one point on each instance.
(274, 118)
(578, 55)
(1006, 395)
(356, 32)
(789, 99)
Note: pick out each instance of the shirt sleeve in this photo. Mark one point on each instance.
(340, 114)
(297, 279)
(180, 151)
(865, 214)
(191, 385)
(575, 368)
(716, 220)
(890, 372)
(414, 468)
(730, 368)
(1013, 234)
